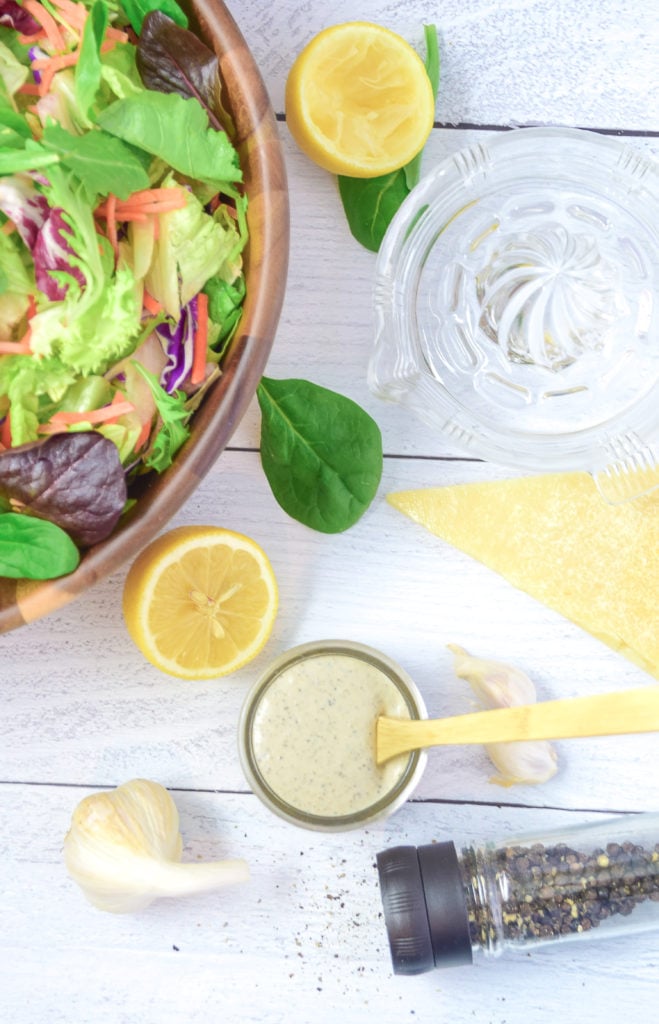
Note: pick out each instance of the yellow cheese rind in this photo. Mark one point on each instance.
(555, 538)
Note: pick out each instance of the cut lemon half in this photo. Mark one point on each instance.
(200, 601)
(359, 101)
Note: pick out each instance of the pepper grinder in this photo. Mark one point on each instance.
(445, 908)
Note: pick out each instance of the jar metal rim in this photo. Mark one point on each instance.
(383, 807)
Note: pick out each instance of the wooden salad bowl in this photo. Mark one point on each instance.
(265, 265)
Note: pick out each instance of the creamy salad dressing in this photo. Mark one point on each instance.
(313, 734)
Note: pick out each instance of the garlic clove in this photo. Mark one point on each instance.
(496, 684)
(528, 763)
(124, 850)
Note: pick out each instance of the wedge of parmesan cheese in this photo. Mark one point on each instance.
(556, 538)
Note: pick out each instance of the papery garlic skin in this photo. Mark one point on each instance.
(124, 850)
(526, 762)
(498, 685)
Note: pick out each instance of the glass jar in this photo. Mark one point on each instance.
(443, 907)
(517, 305)
(306, 735)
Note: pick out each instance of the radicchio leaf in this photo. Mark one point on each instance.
(14, 16)
(26, 207)
(73, 480)
(172, 59)
(52, 252)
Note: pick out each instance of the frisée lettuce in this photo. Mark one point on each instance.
(122, 226)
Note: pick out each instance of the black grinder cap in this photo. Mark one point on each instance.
(424, 907)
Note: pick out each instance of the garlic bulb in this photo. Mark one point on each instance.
(498, 685)
(124, 850)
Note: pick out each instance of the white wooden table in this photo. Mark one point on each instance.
(304, 940)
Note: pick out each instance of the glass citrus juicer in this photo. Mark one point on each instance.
(517, 306)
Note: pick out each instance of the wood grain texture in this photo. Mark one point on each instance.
(511, 62)
(303, 942)
(265, 266)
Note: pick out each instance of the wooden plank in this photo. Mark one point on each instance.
(569, 62)
(99, 720)
(302, 941)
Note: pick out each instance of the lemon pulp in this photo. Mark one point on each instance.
(359, 101)
(200, 602)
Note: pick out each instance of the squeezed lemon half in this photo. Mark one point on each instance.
(359, 101)
(200, 601)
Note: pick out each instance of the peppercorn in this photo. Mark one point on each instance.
(556, 890)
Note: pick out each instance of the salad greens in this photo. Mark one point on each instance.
(73, 480)
(370, 203)
(122, 226)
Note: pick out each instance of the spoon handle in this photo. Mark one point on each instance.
(608, 714)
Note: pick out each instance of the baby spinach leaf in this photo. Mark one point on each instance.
(34, 548)
(88, 68)
(171, 59)
(371, 203)
(137, 10)
(320, 451)
(74, 480)
(177, 131)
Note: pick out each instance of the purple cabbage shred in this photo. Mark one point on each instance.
(178, 343)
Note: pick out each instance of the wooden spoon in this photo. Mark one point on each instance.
(608, 714)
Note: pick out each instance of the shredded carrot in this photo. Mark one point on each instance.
(76, 15)
(47, 22)
(49, 66)
(28, 40)
(16, 348)
(108, 414)
(150, 304)
(111, 223)
(8, 227)
(143, 436)
(149, 200)
(5, 431)
(52, 428)
(200, 344)
(29, 89)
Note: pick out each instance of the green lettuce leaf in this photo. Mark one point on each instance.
(15, 285)
(92, 327)
(13, 74)
(173, 431)
(192, 247)
(87, 73)
(177, 131)
(100, 161)
(30, 383)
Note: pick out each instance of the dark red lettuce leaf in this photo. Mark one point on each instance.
(14, 16)
(74, 480)
(172, 59)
